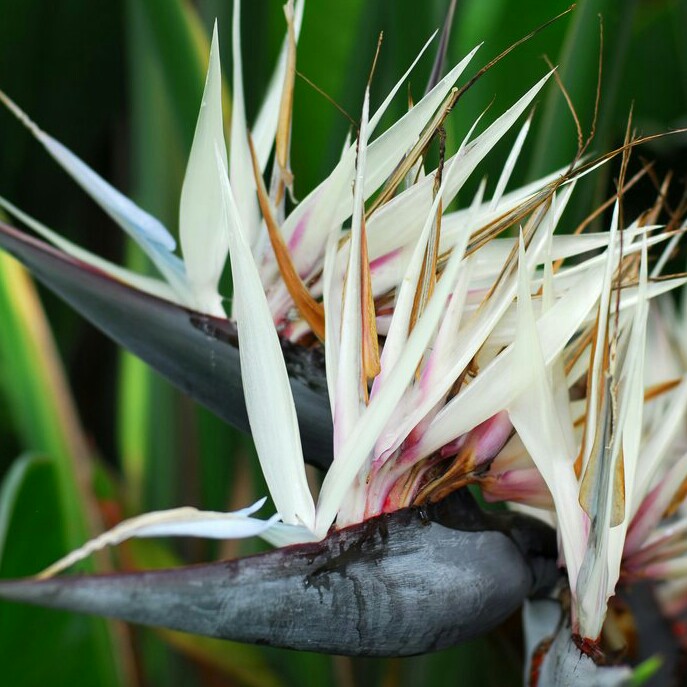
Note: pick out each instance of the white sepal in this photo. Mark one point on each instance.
(204, 241)
(534, 416)
(349, 398)
(151, 285)
(269, 401)
(146, 230)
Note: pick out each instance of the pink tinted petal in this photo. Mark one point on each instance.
(521, 486)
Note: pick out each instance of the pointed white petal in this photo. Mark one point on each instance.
(601, 566)
(438, 360)
(390, 254)
(496, 386)
(449, 79)
(151, 285)
(597, 378)
(204, 242)
(490, 258)
(328, 205)
(510, 164)
(539, 426)
(143, 228)
(449, 327)
(269, 401)
(632, 408)
(359, 443)
(349, 393)
(470, 340)
(400, 323)
(334, 274)
(395, 223)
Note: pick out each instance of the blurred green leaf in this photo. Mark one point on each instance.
(182, 47)
(39, 646)
(556, 141)
(147, 404)
(645, 671)
(35, 386)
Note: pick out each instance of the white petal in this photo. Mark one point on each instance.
(507, 170)
(269, 401)
(204, 242)
(359, 443)
(594, 391)
(390, 254)
(178, 522)
(334, 274)
(143, 228)
(496, 385)
(349, 393)
(535, 418)
(328, 205)
(435, 367)
(403, 308)
(632, 407)
(395, 223)
(151, 285)
(468, 342)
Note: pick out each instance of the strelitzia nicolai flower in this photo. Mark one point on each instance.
(484, 336)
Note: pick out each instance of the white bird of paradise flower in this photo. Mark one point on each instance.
(485, 337)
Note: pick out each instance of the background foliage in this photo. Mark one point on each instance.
(98, 435)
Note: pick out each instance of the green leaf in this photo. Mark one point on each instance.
(147, 404)
(645, 671)
(39, 646)
(34, 385)
(182, 46)
(38, 396)
(578, 60)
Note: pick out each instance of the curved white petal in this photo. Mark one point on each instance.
(146, 230)
(151, 285)
(178, 522)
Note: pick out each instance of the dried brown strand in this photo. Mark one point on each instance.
(311, 310)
